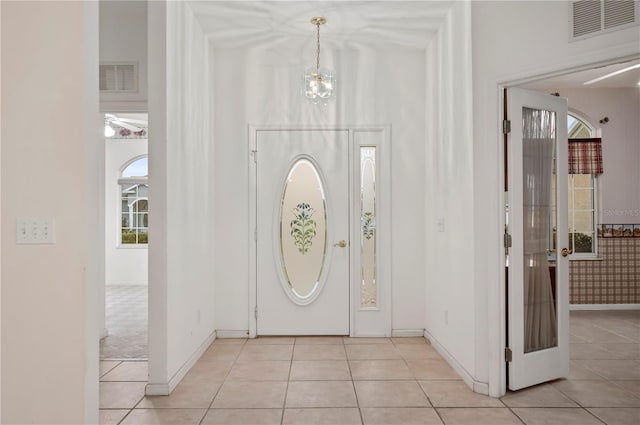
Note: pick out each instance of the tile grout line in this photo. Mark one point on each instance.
(125, 416)
(235, 360)
(615, 383)
(420, 386)
(594, 415)
(552, 408)
(512, 412)
(406, 362)
(353, 383)
(286, 389)
(104, 374)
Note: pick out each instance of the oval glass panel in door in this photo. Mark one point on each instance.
(303, 231)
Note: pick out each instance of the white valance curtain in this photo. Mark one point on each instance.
(539, 135)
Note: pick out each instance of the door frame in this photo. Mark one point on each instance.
(539, 360)
(497, 300)
(362, 321)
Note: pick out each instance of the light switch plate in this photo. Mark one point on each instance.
(35, 231)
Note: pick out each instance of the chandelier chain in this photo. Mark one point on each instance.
(318, 46)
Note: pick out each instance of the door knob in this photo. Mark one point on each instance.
(565, 252)
(341, 244)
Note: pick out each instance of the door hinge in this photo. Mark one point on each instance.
(507, 354)
(254, 153)
(506, 126)
(507, 242)
(255, 312)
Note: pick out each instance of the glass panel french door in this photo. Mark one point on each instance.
(538, 300)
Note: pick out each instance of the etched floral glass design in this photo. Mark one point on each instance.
(303, 230)
(303, 227)
(368, 273)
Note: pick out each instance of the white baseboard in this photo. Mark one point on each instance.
(604, 306)
(368, 335)
(407, 332)
(394, 333)
(476, 386)
(167, 388)
(232, 334)
(157, 389)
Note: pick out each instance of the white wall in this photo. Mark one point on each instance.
(450, 231)
(49, 338)
(513, 41)
(124, 265)
(181, 299)
(618, 185)
(260, 87)
(123, 38)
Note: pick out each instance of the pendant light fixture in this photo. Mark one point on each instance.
(319, 84)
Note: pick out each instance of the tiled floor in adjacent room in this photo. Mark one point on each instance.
(403, 381)
(126, 309)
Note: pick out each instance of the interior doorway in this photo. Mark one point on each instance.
(594, 96)
(126, 236)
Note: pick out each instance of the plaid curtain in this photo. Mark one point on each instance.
(585, 156)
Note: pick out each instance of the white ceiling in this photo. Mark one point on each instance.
(285, 24)
(577, 79)
(374, 23)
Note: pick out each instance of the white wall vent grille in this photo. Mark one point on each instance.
(593, 17)
(587, 17)
(119, 77)
(618, 13)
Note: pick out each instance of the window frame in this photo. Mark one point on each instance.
(593, 255)
(123, 181)
(594, 208)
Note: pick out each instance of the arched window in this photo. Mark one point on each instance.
(582, 212)
(134, 227)
(578, 128)
(138, 168)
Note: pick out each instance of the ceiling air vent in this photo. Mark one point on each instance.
(593, 17)
(119, 77)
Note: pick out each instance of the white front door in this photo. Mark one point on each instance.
(302, 220)
(538, 279)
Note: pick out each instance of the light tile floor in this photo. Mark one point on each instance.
(403, 381)
(126, 309)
